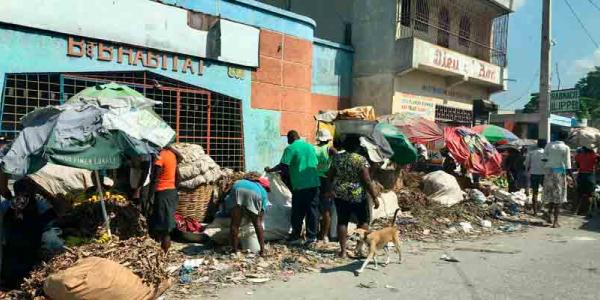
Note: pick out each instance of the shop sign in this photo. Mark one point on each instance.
(121, 54)
(423, 106)
(561, 121)
(564, 100)
(433, 56)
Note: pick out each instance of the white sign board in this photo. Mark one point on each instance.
(424, 106)
(435, 57)
(135, 22)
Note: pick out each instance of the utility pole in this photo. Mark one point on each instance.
(544, 96)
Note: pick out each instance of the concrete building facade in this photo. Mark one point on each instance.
(433, 57)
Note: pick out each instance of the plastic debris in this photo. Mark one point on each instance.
(448, 258)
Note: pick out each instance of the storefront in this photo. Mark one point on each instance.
(210, 73)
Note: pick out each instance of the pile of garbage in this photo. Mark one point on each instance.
(196, 167)
(141, 255)
(213, 269)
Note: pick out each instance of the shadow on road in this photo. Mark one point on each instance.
(592, 225)
(351, 267)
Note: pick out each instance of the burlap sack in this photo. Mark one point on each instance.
(95, 278)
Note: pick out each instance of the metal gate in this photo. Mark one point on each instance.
(198, 116)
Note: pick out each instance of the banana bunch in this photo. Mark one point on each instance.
(108, 196)
(103, 238)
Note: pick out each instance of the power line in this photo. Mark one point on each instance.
(526, 92)
(581, 24)
(594, 4)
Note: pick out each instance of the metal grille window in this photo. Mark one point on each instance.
(422, 19)
(199, 116)
(444, 27)
(482, 31)
(453, 115)
(465, 31)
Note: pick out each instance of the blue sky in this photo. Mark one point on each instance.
(573, 51)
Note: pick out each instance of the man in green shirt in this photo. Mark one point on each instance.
(325, 153)
(299, 160)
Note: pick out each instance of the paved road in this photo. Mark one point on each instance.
(551, 264)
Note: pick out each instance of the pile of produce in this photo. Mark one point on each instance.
(141, 255)
(196, 167)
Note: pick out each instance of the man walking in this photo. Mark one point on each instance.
(557, 156)
(299, 160)
(536, 170)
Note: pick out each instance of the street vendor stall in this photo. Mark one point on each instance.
(473, 151)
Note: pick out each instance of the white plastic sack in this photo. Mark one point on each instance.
(442, 187)
(277, 218)
(218, 231)
(388, 203)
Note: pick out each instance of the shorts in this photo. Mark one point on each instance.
(162, 219)
(536, 181)
(345, 211)
(325, 203)
(586, 183)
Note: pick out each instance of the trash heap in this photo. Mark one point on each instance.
(476, 213)
(210, 270)
(196, 167)
(141, 255)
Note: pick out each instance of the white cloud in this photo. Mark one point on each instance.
(582, 66)
(518, 4)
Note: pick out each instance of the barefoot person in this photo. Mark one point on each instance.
(349, 181)
(557, 156)
(247, 199)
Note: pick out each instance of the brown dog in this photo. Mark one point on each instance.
(377, 240)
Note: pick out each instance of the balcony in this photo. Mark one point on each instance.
(475, 28)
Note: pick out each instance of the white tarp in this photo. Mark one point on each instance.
(61, 180)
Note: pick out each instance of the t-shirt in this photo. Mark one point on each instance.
(301, 159)
(167, 162)
(558, 156)
(255, 187)
(347, 184)
(586, 162)
(534, 163)
(324, 160)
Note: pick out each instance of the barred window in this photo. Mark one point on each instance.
(443, 27)
(422, 18)
(465, 31)
(405, 12)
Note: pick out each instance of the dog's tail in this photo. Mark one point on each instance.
(394, 219)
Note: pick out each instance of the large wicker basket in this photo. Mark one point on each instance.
(194, 203)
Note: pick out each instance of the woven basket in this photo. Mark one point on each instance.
(194, 204)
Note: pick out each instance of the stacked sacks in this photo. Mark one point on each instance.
(196, 167)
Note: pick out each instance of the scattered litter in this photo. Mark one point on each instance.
(486, 224)
(258, 280)
(466, 227)
(448, 258)
(369, 285)
(249, 293)
(484, 250)
(510, 227)
(193, 263)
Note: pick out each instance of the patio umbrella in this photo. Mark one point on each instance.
(415, 127)
(97, 129)
(496, 134)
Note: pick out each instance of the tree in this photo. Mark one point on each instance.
(589, 92)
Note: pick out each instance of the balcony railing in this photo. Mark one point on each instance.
(466, 26)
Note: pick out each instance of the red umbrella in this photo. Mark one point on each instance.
(416, 128)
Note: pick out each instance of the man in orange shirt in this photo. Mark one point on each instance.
(162, 220)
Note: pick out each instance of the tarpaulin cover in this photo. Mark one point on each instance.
(404, 151)
(496, 134)
(585, 136)
(417, 129)
(473, 151)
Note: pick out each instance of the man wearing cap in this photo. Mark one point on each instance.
(324, 154)
(247, 198)
(299, 160)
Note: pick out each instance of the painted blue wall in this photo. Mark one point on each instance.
(23, 51)
(332, 69)
(253, 13)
